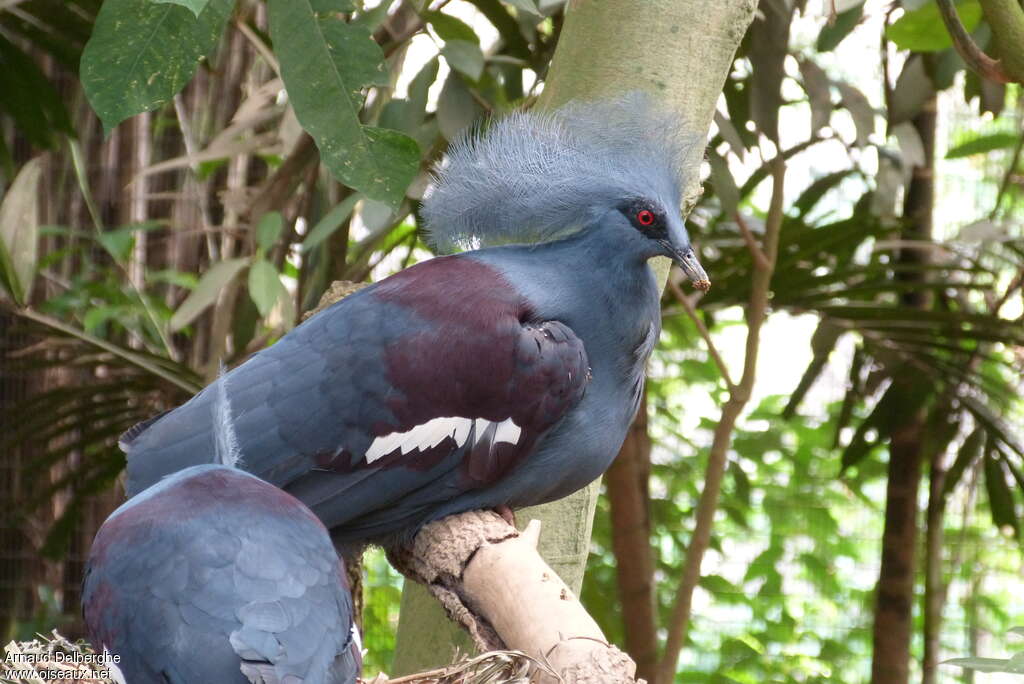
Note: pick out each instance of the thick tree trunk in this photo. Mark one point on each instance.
(680, 50)
(895, 591)
(629, 499)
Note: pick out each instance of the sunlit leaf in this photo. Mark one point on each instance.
(206, 292)
(264, 285)
(19, 231)
(922, 30)
(269, 229)
(330, 222)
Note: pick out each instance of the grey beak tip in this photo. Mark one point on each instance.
(694, 271)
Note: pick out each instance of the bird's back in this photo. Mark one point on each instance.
(215, 576)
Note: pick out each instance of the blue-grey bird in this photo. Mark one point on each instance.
(214, 576)
(503, 376)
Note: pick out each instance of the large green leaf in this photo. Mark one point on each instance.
(207, 291)
(19, 231)
(141, 53)
(465, 57)
(982, 144)
(833, 33)
(1000, 498)
(922, 30)
(264, 285)
(325, 64)
(330, 222)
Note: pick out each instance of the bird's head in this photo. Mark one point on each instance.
(610, 165)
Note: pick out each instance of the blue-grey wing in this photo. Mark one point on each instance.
(217, 574)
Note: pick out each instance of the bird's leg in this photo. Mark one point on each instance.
(507, 514)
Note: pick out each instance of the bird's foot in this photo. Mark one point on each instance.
(506, 513)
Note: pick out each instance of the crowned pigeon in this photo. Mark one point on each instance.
(502, 376)
(214, 576)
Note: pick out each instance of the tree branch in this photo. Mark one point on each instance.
(965, 46)
(491, 580)
(757, 309)
(681, 297)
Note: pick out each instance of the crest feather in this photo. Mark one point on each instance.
(539, 176)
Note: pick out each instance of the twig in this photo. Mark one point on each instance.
(965, 46)
(258, 44)
(757, 309)
(761, 261)
(191, 151)
(678, 293)
(1008, 176)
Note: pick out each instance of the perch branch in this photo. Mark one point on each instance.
(491, 580)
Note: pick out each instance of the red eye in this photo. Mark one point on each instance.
(645, 217)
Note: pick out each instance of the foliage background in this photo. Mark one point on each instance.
(141, 249)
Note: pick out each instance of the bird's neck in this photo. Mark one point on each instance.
(608, 296)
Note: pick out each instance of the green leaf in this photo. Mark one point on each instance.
(264, 286)
(922, 30)
(1000, 497)
(456, 108)
(407, 114)
(195, 6)
(823, 341)
(325, 63)
(816, 84)
(19, 231)
(30, 98)
(832, 35)
(269, 230)
(860, 109)
(119, 242)
(331, 221)
(464, 57)
(983, 144)
(450, 28)
(141, 53)
(969, 452)
(206, 292)
(985, 664)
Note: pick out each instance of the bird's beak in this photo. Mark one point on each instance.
(687, 261)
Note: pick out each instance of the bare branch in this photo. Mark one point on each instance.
(707, 505)
(678, 293)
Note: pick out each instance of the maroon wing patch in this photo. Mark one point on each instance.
(484, 376)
